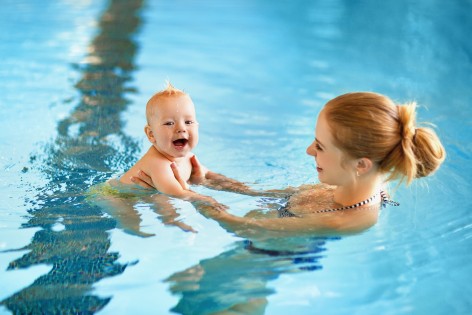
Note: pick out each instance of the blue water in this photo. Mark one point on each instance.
(74, 78)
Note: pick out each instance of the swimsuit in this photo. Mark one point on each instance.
(283, 211)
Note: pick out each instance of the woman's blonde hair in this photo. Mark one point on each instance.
(370, 125)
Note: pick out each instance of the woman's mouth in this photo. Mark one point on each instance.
(180, 143)
(318, 169)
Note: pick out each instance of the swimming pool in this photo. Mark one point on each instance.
(75, 76)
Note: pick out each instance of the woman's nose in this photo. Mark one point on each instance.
(311, 150)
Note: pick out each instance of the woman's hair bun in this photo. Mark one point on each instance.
(422, 149)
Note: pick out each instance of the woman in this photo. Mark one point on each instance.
(362, 141)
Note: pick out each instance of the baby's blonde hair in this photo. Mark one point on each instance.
(370, 125)
(169, 91)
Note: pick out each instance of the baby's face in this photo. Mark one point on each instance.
(174, 126)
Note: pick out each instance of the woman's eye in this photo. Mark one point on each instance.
(317, 146)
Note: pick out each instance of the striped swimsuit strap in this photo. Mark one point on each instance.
(284, 212)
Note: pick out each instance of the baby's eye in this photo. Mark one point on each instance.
(168, 123)
(189, 122)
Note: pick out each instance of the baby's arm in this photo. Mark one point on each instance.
(174, 184)
(162, 178)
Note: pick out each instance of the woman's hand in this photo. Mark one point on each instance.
(177, 176)
(198, 175)
(144, 180)
(198, 171)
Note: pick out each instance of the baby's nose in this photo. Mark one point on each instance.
(181, 128)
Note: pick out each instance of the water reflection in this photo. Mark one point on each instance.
(82, 152)
(236, 281)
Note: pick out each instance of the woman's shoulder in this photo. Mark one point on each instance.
(315, 187)
(310, 198)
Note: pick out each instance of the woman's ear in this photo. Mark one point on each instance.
(149, 133)
(364, 165)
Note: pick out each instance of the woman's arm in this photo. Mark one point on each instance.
(202, 176)
(221, 182)
(322, 224)
(275, 227)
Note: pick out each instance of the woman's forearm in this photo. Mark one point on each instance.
(267, 227)
(220, 182)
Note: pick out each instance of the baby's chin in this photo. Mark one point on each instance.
(181, 153)
(180, 156)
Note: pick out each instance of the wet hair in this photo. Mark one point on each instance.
(169, 91)
(370, 125)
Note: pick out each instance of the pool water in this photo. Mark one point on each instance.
(75, 76)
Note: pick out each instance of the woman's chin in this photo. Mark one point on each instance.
(323, 180)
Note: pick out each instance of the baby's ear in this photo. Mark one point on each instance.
(149, 134)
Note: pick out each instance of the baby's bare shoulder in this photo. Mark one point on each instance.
(153, 164)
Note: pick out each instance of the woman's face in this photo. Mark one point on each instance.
(330, 160)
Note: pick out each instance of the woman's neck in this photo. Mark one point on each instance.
(360, 189)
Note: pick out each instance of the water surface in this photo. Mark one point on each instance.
(75, 79)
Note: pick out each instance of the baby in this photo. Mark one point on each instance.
(172, 128)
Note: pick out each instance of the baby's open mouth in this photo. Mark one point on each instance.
(180, 142)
